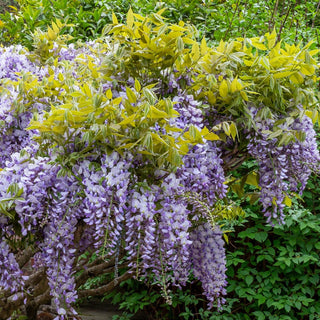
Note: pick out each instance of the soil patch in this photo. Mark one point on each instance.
(4, 5)
(97, 310)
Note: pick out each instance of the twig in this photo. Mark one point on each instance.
(314, 18)
(106, 288)
(275, 9)
(284, 21)
(230, 23)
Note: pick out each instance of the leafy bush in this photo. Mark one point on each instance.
(274, 272)
(82, 19)
(216, 20)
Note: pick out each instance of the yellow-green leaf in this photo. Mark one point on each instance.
(287, 201)
(109, 94)
(284, 74)
(314, 52)
(313, 115)
(117, 101)
(307, 69)
(156, 113)
(226, 128)
(86, 90)
(195, 52)
(114, 18)
(209, 135)
(128, 120)
(156, 137)
(203, 46)
(131, 95)
(175, 27)
(226, 239)
(271, 39)
(258, 45)
(51, 34)
(253, 179)
(235, 85)
(296, 78)
(137, 85)
(130, 18)
(211, 97)
(233, 130)
(223, 89)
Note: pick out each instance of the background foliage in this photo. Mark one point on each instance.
(294, 20)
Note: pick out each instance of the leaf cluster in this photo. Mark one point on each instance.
(273, 273)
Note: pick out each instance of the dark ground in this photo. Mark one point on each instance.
(5, 3)
(97, 310)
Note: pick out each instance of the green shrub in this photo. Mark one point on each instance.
(215, 19)
(274, 272)
(83, 19)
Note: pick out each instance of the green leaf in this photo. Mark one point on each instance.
(259, 314)
(131, 95)
(261, 236)
(249, 280)
(261, 299)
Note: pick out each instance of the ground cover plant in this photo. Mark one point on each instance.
(127, 144)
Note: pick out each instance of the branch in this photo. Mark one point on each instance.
(284, 21)
(26, 256)
(9, 305)
(106, 288)
(230, 23)
(35, 277)
(93, 272)
(233, 163)
(314, 18)
(103, 268)
(272, 21)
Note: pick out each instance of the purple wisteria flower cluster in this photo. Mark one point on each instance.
(11, 277)
(14, 136)
(285, 168)
(14, 60)
(44, 208)
(209, 261)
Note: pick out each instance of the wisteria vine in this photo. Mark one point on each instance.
(84, 191)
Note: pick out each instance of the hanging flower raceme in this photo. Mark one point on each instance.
(283, 168)
(209, 262)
